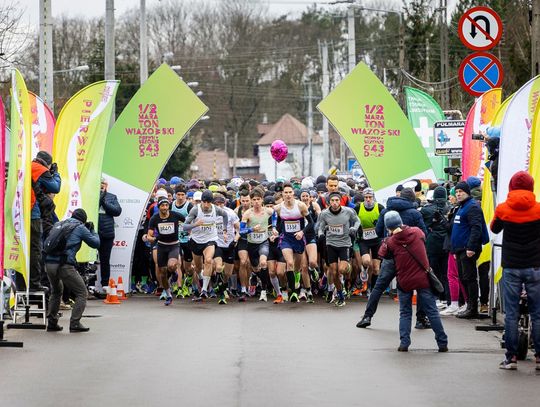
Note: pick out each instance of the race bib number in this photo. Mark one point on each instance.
(207, 227)
(166, 228)
(336, 229)
(257, 237)
(369, 234)
(292, 226)
(219, 227)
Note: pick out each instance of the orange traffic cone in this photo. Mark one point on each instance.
(414, 298)
(112, 296)
(120, 290)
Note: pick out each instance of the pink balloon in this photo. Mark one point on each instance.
(279, 150)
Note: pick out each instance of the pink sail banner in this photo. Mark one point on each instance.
(2, 184)
(43, 122)
(478, 120)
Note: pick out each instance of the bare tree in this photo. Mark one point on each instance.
(13, 37)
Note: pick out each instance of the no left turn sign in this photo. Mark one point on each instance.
(480, 28)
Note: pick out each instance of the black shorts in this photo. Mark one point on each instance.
(225, 253)
(370, 248)
(256, 250)
(333, 254)
(166, 252)
(241, 245)
(198, 248)
(186, 252)
(275, 253)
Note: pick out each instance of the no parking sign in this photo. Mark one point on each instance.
(480, 72)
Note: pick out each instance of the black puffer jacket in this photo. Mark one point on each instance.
(108, 203)
(435, 217)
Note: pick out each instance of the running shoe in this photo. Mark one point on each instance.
(508, 364)
(340, 302)
(202, 297)
(226, 294)
(163, 295)
(212, 294)
(262, 297)
(159, 292)
(364, 286)
(329, 297)
(297, 277)
(356, 292)
(364, 276)
(234, 293)
(222, 300)
(463, 308)
(314, 274)
(285, 295)
(139, 288)
(242, 297)
(279, 299)
(310, 299)
(302, 295)
(293, 297)
(168, 301)
(252, 289)
(451, 310)
(175, 288)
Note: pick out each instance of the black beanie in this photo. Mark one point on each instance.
(464, 187)
(440, 193)
(80, 214)
(408, 194)
(45, 157)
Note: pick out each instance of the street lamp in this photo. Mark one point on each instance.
(79, 68)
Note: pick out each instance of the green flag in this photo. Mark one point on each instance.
(383, 141)
(423, 111)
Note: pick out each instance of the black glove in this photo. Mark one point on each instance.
(89, 226)
(54, 168)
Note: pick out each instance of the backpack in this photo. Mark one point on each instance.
(55, 243)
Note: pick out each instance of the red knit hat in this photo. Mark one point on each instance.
(521, 180)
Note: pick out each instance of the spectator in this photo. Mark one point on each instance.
(519, 217)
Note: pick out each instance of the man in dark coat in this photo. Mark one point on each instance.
(109, 208)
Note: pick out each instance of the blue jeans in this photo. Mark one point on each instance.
(429, 307)
(386, 275)
(512, 282)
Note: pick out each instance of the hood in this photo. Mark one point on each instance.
(521, 200)
(406, 236)
(399, 204)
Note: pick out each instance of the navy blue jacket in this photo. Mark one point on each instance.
(467, 227)
(73, 244)
(408, 212)
(111, 208)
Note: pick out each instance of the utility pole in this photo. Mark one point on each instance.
(445, 96)
(535, 39)
(235, 152)
(325, 91)
(46, 80)
(310, 129)
(109, 47)
(143, 62)
(352, 63)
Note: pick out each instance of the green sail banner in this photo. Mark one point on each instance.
(377, 131)
(138, 146)
(423, 111)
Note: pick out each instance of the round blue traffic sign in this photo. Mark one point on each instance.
(480, 72)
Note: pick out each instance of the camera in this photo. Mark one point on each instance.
(455, 171)
(477, 136)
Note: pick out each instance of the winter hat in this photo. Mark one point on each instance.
(269, 200)
(399, 188)
(521, 180)
(197, 196)
(161, 201)
(440, 193)
(307, 183)
(392, 220)
(369, 191)
(218, 198)
(321, 179)
(408, 194)
(80, 214)
(321, 187)
(162, 181)
(176, 180)
(464, 187)
(161, 193)
(453, 191)
(474, 182)
(45, 157)
(207, 196)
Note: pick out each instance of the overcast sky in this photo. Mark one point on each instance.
(96, 8)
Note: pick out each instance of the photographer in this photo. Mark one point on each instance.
(109, 208)
(45, 180)
(61, 270)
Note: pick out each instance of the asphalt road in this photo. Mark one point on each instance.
(141, 353)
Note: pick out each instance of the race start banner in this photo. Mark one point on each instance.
(377, 131)
(43, 122)
(79, 142)
(17, 202)
(423, 111)
(480, 117)
(139, 145)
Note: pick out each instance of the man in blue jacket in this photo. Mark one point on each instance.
(406, 206)
(61, 269)
(469, 233)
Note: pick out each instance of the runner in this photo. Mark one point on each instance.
(201, 221)
(182, 206)
(224, 256)
(255, 224)
(276, 262)
(242, 263)
(335, 222)
(293, 215)
(310, 266)
(167, 225)
(369, 243)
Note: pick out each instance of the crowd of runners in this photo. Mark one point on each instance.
(291, 240)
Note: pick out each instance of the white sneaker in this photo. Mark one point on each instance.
(302, 295)
(450, 310)
(441, 305)
(285, 295)
(262, 297)
(462, 308)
